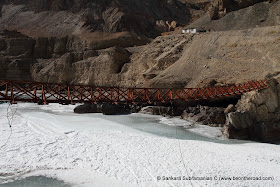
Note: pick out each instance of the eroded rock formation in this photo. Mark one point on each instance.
(88, 108)
(60, 18)
(257, 115)
(219, 8)
(70, 59)
(212, 116)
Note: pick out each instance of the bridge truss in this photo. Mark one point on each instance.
(44, 93)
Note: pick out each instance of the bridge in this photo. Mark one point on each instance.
(44, 93)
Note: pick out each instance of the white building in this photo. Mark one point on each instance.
(192, 30)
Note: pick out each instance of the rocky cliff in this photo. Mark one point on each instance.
(199, 60)
(59, 59)
(168, 61)
(60, 18)
(219, 8)
(257, 115)
(261, 14)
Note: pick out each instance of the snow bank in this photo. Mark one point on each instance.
(96, 150)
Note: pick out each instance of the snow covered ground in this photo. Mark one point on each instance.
(129, 150)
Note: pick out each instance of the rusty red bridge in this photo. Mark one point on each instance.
(44, 93)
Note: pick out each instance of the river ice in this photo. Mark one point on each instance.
(127, 150)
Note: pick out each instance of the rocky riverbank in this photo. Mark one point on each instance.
(254, 116)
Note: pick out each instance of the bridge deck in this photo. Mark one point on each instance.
(13, 91)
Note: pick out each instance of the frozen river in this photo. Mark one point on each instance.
(125, 150)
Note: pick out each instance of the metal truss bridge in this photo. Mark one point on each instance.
(44, 93)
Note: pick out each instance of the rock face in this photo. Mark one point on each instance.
(115, 109)
(257, 115)
(101, 68)
(262, 14)
(70, 59)
(87, 108)
(196, 60)
(213, 58)
(212, 116)
(106, 108)
(157, 110)
(219, 8)
(61, 18)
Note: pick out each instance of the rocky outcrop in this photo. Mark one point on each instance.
(219, 8)
(261, 14)
(207, 59)
(115, 109)
(61, 59)
(212, 116)
(105, 108)
(100, 68)
(161, 26)
(61, 18)
(158, 110)
(257, 115)
(213, 58)
(87, 108)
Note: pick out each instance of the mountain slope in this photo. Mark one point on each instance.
(57, 17)
(260, 15)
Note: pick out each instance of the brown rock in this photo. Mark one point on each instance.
(219, 8)
(212, 116)
(257, 115)
(3, 45)
(41, 48)
(60, 45)
(20, 46)
(72, 16)
(161, 26)
(171, 25)
(230, 108)
(157, 110)
(90, 53)
(115, 109)
(87, 108)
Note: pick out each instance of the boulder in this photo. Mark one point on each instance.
(115, 109)
(87, 108)
(135, 108)
(230, 108)
(171, 25)
(257, 115)
(212, 116)
(161, 26)
(157, 110)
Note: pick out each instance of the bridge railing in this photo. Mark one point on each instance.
(44, 93)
